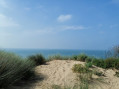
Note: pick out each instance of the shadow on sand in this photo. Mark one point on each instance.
(29, 84)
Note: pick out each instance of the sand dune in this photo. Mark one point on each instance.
(58, 72)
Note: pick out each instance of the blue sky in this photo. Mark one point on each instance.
(59, 24)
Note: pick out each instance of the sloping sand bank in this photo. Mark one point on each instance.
(59, 72)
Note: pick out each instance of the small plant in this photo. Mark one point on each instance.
(82, 57)
(112, 63)
(58, 57)
(117, 73)
(74, 57)
(63, 87)
(89, 59)
(38, 59)
(79, 68)
(98, 63)
(99, 73)
(89, 65)
(56, 87)
(85, 75)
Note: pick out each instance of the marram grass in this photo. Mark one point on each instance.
(13, 68)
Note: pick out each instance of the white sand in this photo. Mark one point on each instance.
(59, 72)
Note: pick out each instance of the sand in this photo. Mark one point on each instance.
(59, 72)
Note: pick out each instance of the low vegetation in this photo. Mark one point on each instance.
(106, 63)
(98, 73)
(85, 75)
(59, 87)
(14, 68)
(117, 73)
(58, 57)
(38, 59)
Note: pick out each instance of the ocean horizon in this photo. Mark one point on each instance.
(62, 52)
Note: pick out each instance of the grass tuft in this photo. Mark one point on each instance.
(58, 57)
(38, 59)
(13, 68)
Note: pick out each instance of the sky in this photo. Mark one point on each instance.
(59, 24)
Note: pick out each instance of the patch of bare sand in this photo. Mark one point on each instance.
(58, 72)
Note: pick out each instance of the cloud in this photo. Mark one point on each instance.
(52, 30)
(3, 4)
(7, 21)
(74, 27)
(63, 18)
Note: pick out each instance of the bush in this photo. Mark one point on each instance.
(98, 63)
(79, 68)
(112, 63)
(62, 87)
(99, 73)
(74, 57)
(14, 68)
(38, 59)
(89, 59)
(82, 57)
(117, 74)
(88, 64)
(107, 63)
(58, 57)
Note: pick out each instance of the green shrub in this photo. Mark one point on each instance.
(89, 59)
(117, 63)
(82, 57)
(85, 75)
(99, 73)
(14, 68)
(62, 87)
(74, 57)
(112, 63)
(89, 64)
(79, 68)
(38, 59)
(58, 57)
(117, 74)
(98, 63)
(106, 63)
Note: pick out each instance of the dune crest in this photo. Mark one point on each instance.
(59, 72)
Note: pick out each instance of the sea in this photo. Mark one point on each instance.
(63, 52)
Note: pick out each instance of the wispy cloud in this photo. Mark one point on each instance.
(63, 18)
(74, 27)
(27, 8)
(3, 4)
(7, 21)
(52, 30)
